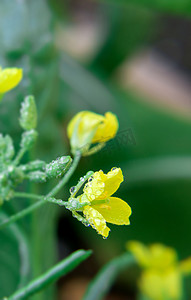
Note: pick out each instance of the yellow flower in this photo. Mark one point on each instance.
(162, 273)
(9, 78)
(102, 207)
(87, 127)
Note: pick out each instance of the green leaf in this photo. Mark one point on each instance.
(101, 284)
(14, 258)
(61, 269)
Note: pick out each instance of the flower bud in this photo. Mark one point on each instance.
(57, 167)
(33, 166)
(87, 128)
(28, 117)
(6, 147)
(37, 176)
(28, 139)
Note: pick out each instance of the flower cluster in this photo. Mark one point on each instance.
(162, 272)
(97, 204)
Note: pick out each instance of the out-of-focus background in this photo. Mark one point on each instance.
(129, 57)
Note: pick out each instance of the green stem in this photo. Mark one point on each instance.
(19, 156)
(21, 214)
(27, 195)
(81, 182)
(42, 201)
(51, 275)
(41, 197)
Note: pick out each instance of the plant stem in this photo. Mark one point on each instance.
(41, 197)
(80, 183)
(19, 156)
(43, 200)
(27, 195)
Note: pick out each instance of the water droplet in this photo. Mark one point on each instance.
(114, 168)
(90, 179)
(72, 189)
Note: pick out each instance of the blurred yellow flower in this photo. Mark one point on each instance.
(162, 274)
(102, 207)
(9, 78)
(87, 127)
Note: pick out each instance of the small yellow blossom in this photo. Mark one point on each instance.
(9, 78)
(162, 272)
(87, 127)
(102, 207)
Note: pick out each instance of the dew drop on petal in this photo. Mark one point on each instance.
(114, 168)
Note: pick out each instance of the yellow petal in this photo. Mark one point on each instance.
(116, 211)
(96, 220)
(173, 284)
(162, 256)
(151, 285)
(102, 186)
(155, 256)
(159, 286)
(107, 129)
(9, 78)
(87, 122)
(140, 252)
(185, 266)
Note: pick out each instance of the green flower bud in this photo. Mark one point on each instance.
(28, 117)
(6, 147)
(28, 139)
(37, 176)
(57, 167)
(33, 166)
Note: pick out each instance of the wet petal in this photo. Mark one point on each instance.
(103, 185)
(96, 220)
(116, 211)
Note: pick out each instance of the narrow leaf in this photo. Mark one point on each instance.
(62, 268)
(101, 284)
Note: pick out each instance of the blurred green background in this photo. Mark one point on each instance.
(128, 57)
